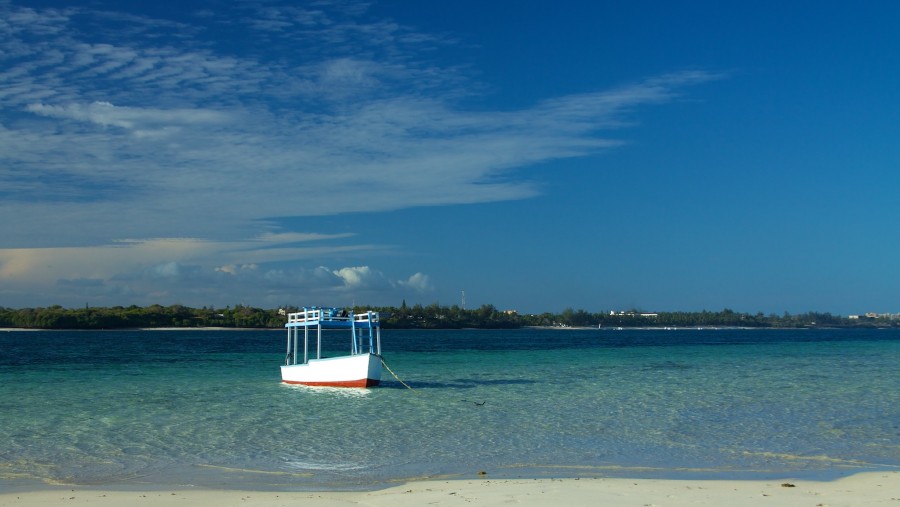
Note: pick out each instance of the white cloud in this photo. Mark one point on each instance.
(106, 114)
(353, 277)
(154, 131)
(361, 277)
(418, 282)
(186, 270)
(193, 130)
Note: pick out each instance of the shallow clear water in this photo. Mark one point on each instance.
(206, 408)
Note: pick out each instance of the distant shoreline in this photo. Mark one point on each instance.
(425, 317)
(211, 328)
(655, 328)
(550, 328)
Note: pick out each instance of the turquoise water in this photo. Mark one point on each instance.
(207, 409)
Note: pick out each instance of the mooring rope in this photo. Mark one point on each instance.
(395, 375)
(479, 404)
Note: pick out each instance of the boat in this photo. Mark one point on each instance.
(360, 368)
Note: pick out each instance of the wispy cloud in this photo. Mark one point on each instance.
(159, 128)
(136, 119)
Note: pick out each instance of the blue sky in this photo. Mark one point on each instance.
(537, 155)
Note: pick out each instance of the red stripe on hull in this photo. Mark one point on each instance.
(366, 382)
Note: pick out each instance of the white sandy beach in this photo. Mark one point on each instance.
(875, 489)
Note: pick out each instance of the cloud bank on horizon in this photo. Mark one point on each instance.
(149, 159)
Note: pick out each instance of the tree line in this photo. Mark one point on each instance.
(432, 316)
(154, 316)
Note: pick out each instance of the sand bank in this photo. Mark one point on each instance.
(876, 488)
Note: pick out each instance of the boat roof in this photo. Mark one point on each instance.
(332, 318)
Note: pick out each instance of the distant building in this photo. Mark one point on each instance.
(613, 313)
(874, 315)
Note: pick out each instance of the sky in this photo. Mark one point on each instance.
(531, 155)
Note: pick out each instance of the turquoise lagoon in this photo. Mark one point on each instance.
(192, 408)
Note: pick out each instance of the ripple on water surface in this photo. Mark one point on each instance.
(206, 408)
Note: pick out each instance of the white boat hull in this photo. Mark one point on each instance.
(360, 370)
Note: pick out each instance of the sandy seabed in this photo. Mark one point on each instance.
(872, 488)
